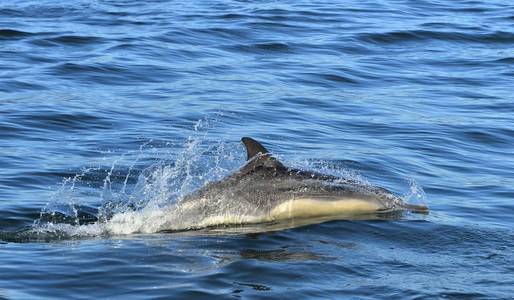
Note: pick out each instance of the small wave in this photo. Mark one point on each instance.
(61, 121)
(232, 16)
(11, 131)
(337, 78)
(10, 12)
(75, 40)
(272, 47)
(323, 80)
(270, 11)
(6, 34)
(228, 34)
(67, 68)
(506, 60)
(11, 86)
(426, 35)
(486, 137)
(281, 255)
(277, 46)
(113, 73)
(276, 26)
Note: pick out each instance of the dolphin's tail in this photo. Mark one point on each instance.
(420, 209)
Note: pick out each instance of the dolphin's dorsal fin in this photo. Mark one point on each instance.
(259, 160)
(253, 147)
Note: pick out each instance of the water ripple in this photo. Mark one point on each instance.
(75, 40)
(500, 37)
(8, 34)
(105, 105)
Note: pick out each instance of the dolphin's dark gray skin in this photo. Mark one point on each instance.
(265, 190)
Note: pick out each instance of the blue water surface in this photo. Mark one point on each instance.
(414, 96)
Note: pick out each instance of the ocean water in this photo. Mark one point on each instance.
(111, 111)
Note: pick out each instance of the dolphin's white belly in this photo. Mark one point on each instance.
(205, 212)
(309, 208)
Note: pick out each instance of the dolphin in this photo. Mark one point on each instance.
(264, 190)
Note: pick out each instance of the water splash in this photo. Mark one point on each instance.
(145, 205)
(416, 195)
